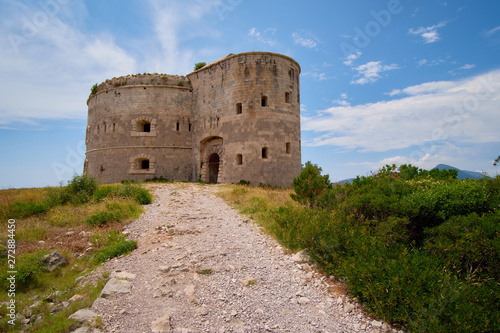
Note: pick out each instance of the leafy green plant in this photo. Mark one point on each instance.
(199, 65)
(115, 245)
(310, 185)
(93, 90)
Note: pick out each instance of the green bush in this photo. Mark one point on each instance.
(310, 185)
(101, 218)
(27, 268)
(115, 245)
(421, 248)
(81, 188)
(139, 194)
(199, 65)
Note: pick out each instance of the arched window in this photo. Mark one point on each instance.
(142, 164)
(143, 126)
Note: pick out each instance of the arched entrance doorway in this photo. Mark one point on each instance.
(213, 168)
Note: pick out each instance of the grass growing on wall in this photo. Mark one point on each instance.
(420, 249)
(69, 219)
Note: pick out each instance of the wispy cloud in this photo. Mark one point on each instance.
(263, 36)
(428, 34)
(468, 66)
(370, 72)
(305, 39)
(56, 64)
(464, 111)
(491, 32)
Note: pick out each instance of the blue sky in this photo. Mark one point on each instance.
(382, 81)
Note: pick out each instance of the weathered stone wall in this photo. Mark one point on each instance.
(241, 112)
(116, 140)
(228, 104)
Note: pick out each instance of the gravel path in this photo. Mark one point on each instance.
(202, 267)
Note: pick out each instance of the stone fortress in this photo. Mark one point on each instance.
(237, 118)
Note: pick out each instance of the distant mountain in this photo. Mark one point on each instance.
(462, 174)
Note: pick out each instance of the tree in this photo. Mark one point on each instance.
(496, 161)
(309, 185)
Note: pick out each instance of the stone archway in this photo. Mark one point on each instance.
(212, 160)
(213, 168)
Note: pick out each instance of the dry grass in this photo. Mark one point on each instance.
(258, 203)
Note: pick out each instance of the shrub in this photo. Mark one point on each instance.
(199, 65)
(81, 188)
(101, 218)
(114, 246)
(139, 194)
(27, 268)
(309, 185)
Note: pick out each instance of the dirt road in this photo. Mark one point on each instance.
(202, 267)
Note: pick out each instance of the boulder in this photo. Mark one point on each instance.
(83, 315)
(52, 261)
(116, 286)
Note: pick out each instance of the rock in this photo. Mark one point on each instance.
(376, 324)
(164, 269)
(75, 297)
(116, 286)
(123, 275)
(162, 325)
(302, 300)
(83, 315)
(348, 307)
(299, 256)
(84, 329)
(53, 260)
(189, 289)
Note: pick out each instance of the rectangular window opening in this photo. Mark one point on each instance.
(239, 108)
(190, 126)
(114, 127)
(178, 125)
(145, 164)
(287, 97)
(264, 153)
(239, 159)
(288, 148)
(147, 127)
(264, 101)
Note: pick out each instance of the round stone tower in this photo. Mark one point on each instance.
(247, 119)
(139, 127)
(237, 118)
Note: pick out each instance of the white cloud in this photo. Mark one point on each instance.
(262, 36)
(468, 66)
(305, 39)
(57, 61)
(428, 34)
(491, 31)
(370, 72)
(316, 76)
(350, 59)
(464, 111)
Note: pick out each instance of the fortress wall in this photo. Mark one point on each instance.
(115, 132)
(247, 78)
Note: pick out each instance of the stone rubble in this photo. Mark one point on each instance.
(201, 267)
